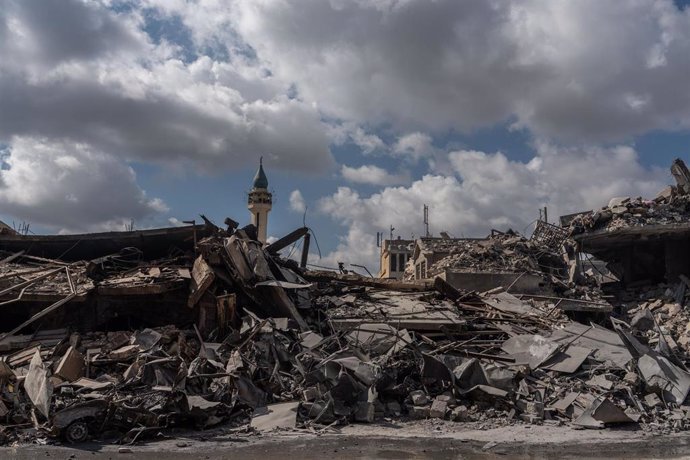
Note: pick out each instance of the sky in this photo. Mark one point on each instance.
(152, 112)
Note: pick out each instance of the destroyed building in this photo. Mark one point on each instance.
(642, 240)
(395, 253)
(481, 264)
(429, 250)
(221, 330)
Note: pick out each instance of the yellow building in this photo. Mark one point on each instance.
(394, 257)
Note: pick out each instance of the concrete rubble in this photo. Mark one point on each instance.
(670, 206)
(507, 251)
(227, 333)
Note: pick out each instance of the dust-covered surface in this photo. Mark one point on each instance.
(402, 440)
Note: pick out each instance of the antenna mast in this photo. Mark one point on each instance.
(544, 214)
(426, 220)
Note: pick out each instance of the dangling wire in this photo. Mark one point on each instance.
(316, 241)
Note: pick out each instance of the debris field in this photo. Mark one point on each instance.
(226, 332)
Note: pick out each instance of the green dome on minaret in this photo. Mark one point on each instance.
(260, 179)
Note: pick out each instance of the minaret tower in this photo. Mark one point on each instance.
(260, 202)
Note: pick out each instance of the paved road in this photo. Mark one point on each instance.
(355, 447)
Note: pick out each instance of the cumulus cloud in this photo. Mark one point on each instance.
(349, 132)
(297, 203)
(374, 175)
(415, 146)
(79, 71)
(70, 186)
(488, 190)
(37, 35)
(557, 68)
(357, 246)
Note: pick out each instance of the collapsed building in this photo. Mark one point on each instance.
(123, 335)
(642, 240)
(501, 259)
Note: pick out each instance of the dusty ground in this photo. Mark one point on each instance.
(419, 440)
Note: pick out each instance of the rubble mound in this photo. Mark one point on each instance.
(278, 347)
(507, 252)
(670, 206)
(659, 315)
(635, 212)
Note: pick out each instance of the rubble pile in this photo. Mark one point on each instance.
(624, 212)
(120, 382)
(659, 314)
(670, 206)
(229, 334)
(501, 252)
(290, 348)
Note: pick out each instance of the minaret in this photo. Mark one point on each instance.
(260, 202)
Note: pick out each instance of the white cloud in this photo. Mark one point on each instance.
(487, 190)
(367, 142)
(75, 70)
(371, 174)
(558, 68)
(415, 146)
(358, 246)
(297, 203)
(72, 187)
(348, 132)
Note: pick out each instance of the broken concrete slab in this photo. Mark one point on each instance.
(665, 377)
(438, 408)
(202, 277)
(508, 303)
(568, 361)
(600, 413)
(607, 345)
(72, 366)
(419, 412)
(532, 350)
(37, 385)
(275, 416)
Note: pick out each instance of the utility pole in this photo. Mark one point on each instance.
(426, 220)
(544, 215)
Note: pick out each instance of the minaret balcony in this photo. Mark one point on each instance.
(259, 200)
